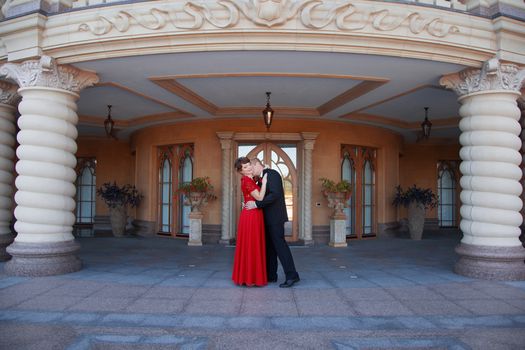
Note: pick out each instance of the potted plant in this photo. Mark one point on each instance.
(337, 195)
(417, 200)
(118, 198)
(197, 192)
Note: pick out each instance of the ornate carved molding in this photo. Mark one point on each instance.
(313, 14)
(8, 94)
(47, 73)
(492, 76)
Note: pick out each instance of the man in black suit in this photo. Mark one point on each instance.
(275, 216)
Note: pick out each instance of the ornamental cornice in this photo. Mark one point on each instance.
(8, 94)
(492, 76)
(45, 72)
(312, 14)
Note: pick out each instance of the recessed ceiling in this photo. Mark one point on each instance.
(355, 88)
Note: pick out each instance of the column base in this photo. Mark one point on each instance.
(230, 241)
(308, 242)
(43, 259)
(491, 263)
(338, 244)
(5, 240)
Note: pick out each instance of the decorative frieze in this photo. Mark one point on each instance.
(492, 76)
(45, 72)
(312, 14)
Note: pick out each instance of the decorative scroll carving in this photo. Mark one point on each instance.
(46, 72)
(8, 94)
(492, 76)
(314, 14)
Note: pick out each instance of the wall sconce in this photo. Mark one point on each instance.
(109, 123)
(426, 126)
(268, 112)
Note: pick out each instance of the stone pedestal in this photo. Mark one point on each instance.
(490, 182)
(195, 229)
(45, 182)
(338, 231)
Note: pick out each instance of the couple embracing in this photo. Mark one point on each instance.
(260, 234)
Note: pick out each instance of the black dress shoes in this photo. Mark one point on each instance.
(289, 283)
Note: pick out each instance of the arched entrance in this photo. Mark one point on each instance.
(288, 153)
(282, 158)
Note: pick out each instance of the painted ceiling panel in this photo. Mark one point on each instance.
(250, 91)
(410, 107)
(126, 105)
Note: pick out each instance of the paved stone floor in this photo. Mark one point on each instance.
(158, 293)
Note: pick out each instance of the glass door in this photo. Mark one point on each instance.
(283, 159)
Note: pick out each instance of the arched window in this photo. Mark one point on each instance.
(358, 168)
(165, 195)
(186, 175)
(86, 185)
(447, 194)
(368, 198)
(175, 166)
(348, 173)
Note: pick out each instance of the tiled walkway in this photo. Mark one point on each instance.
(157, 293)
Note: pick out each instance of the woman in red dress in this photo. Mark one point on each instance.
(249, 265)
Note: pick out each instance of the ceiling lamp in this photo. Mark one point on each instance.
(426, 125)
(268, 112)
(109, 123)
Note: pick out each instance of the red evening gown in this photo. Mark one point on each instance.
(249, 265)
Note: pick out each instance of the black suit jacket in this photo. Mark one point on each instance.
(273, 205)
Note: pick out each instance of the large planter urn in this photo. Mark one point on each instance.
(118, 220)
(197, 201)
(337, 201)
(416, 220)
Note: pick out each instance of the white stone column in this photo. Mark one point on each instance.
(45, 186)
(521, 105)
(308, 147)
(490, 182)
(8, 100)
(227, 207)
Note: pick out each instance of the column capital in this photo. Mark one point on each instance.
(492, 76)
(225, 138)
(8, 94)
(45, 72)
(309, 139)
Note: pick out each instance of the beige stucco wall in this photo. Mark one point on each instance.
(398, 163)
(418, 165)
(114, 163)
(326, 157)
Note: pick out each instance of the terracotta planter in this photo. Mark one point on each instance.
(118, 220)
(197, 200)
(416, 220)
(337, 201)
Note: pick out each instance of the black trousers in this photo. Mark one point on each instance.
(276, 247)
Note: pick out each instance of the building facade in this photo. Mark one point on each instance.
(185, 83)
